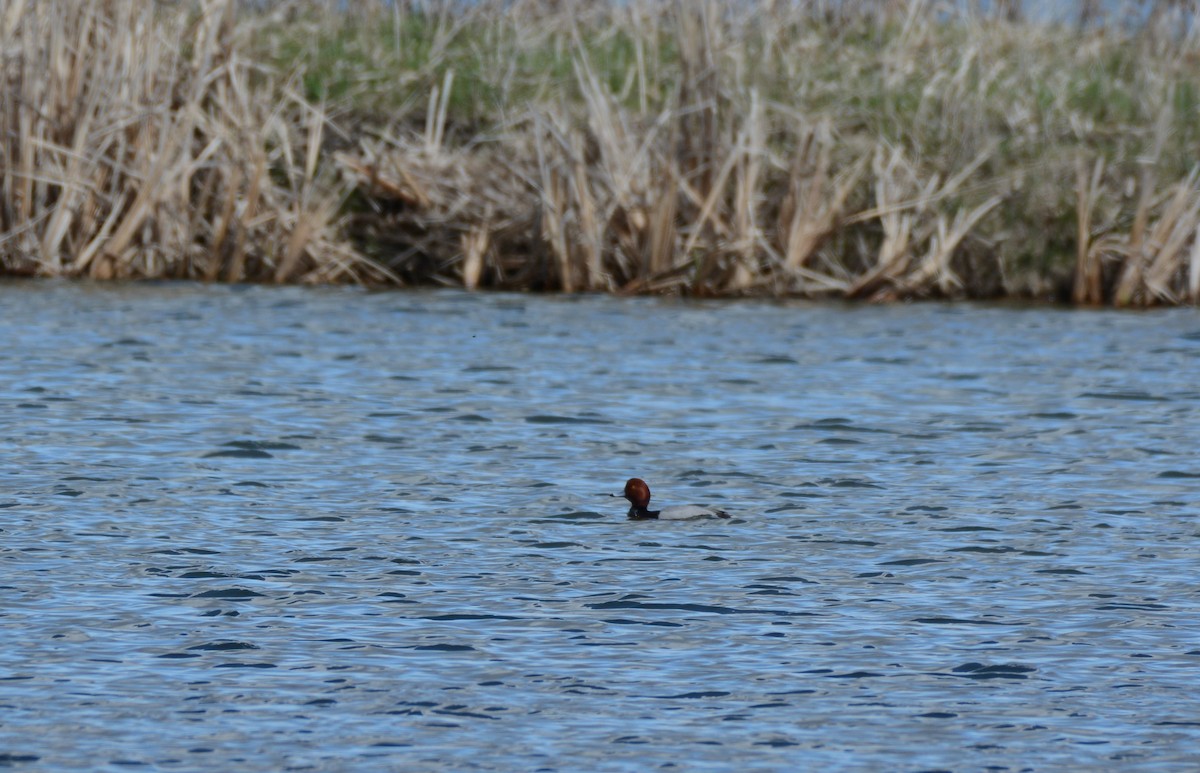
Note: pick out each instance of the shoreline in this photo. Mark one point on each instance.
(1009, 303)
(877, 156)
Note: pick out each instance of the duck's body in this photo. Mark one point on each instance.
(675, 513)
(638, 494)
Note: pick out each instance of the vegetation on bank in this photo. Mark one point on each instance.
(877, 151)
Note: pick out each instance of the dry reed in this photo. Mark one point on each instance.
(871, 151)
(136, 143)
(859, 149)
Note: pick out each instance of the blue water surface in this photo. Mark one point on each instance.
(324, 529)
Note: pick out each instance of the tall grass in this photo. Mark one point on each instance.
(138, 142)
(858, 149)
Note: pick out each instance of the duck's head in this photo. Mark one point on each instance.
(637, 492)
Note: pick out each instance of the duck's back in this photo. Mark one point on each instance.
(684, 512)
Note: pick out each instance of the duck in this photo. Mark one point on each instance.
(638, 494)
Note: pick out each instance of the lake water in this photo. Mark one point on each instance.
(262, 529)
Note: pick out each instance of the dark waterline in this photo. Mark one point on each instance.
(251, 528)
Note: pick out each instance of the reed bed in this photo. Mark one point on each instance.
(859, 150)
(138, 142)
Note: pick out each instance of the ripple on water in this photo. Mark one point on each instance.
(318, 540)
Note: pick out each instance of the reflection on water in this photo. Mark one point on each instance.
(250, 528)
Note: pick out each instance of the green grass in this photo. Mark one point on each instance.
(374, 67)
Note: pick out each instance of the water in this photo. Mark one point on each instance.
(264, 529)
